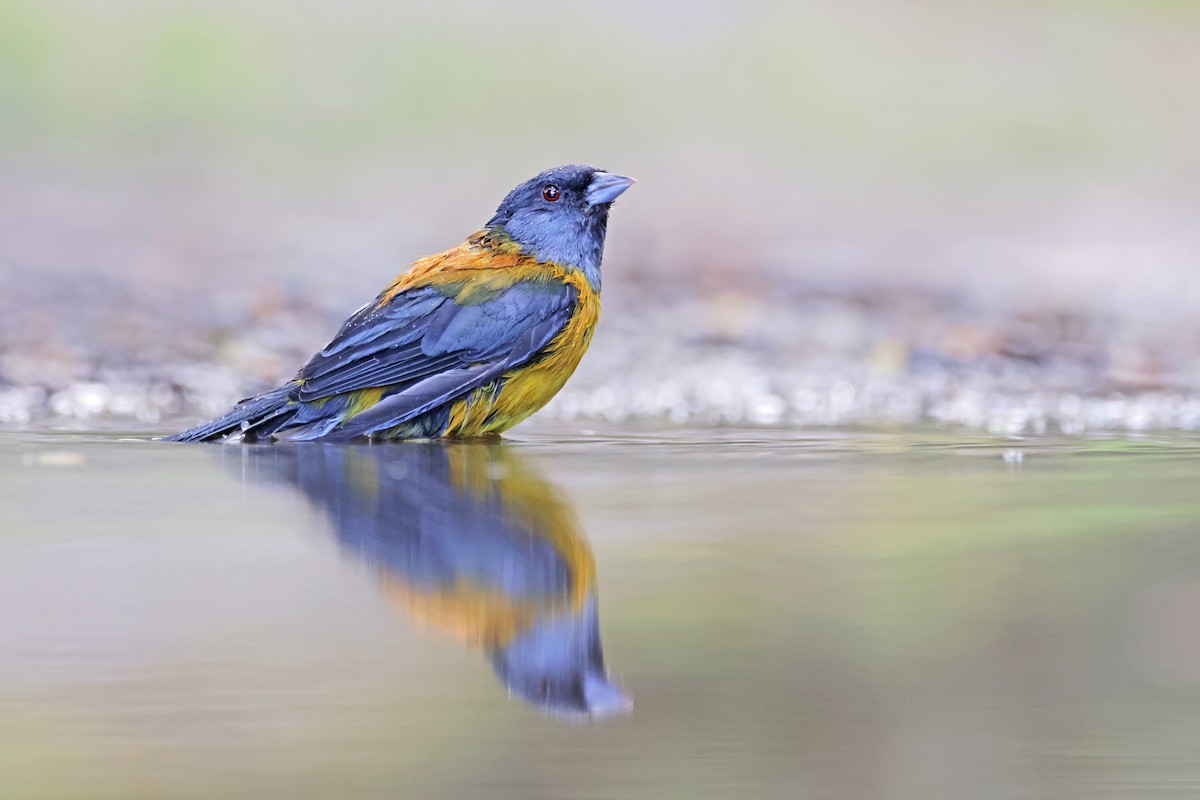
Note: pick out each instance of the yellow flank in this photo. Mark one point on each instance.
(527, 388)
(361, 400)
(483, 266)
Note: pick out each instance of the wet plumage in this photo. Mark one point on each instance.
(465, 343)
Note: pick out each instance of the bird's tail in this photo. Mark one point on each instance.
(255, 417)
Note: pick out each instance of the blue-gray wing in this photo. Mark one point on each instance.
(424, 348)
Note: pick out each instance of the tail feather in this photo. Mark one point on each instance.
(258, 417)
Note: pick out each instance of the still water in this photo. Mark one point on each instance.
(606, 613)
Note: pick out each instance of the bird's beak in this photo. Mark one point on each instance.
(606, 187)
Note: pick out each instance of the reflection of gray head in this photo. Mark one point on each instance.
(557, 665)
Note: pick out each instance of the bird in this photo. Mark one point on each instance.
(469, 539)
(463, 344)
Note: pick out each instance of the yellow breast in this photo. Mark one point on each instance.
(526, 389)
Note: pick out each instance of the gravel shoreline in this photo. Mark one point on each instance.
(801, 359)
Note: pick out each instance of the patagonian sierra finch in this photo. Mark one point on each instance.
(465, 343)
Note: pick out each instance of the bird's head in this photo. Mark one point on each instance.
(561, 215)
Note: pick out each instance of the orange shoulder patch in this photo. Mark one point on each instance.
(476, 270)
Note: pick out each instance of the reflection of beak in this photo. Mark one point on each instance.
(606, 187)
(602, 698)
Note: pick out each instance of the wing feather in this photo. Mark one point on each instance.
(425, 348)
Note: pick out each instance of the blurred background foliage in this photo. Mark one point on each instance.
(982, 171)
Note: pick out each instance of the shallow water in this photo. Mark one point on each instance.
(854, 614)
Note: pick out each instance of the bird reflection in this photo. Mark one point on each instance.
(471, 539)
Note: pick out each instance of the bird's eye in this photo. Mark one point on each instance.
(550, 193)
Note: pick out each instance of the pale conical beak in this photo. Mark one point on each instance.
(606, 187)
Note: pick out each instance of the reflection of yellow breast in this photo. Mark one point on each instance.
(476, 616)
(482, 616)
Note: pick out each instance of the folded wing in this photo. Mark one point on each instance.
(423, 348)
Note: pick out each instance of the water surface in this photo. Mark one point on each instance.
(857, 614)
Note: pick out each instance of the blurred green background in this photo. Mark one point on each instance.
(1002, 183)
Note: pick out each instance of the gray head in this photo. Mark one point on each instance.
(561, 215)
